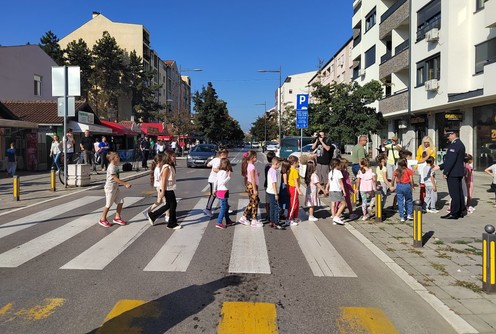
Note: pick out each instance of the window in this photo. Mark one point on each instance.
(479, 4)
(290, 91)
(485, 53)
(37, 85)
(429, 69)
(370, 20)
(428, 17)
(370, 57)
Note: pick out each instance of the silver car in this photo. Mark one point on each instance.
(200, 155)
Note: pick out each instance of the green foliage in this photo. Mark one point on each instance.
(50, 44)
(212, 117)
(343, 112)
(266, 123)
(78, 54)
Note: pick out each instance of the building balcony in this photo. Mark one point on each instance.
(489, 75)
(394, 103)
(394, 64)
(490, 13)
(394, 17)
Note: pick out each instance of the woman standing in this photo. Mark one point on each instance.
(55, 152)
(426, 146)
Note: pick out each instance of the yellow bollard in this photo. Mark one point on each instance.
(52, 180)
(17, 187)
(378, 206)
(354, 197)
(417, 224)
(489, 259)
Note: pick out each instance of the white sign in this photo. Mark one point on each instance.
(71, 108)
(86, 117)
(59, 80)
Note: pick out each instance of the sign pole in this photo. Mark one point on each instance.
(66, 109)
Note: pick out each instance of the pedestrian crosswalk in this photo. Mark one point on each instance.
(249, 252)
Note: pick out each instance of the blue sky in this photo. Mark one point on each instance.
(229, 39)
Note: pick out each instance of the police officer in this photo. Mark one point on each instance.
(453, 171)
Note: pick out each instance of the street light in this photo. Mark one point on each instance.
(265, 117)
(181, 70)
(279, 102)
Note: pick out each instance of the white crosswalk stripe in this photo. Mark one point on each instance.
(45, 215)
(31, 249)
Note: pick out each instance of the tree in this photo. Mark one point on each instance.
(212, 116)
(78, 54)
(50, 44)
(263, 125)
(343, 112)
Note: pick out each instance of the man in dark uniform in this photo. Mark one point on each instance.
(453, 171)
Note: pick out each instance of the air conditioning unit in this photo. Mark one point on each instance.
(431, 85)
(361, 72)
(432, 35)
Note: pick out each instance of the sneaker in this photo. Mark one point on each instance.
(365, 218)
(402, 220)
(409, 217)
(119, 221)
(207, 213)
(338, 220)
(294, 222)
(470, 209)
(312, 218)
(230, 211)
(220, 226)
(174, 227)
(147, 216)
(230, 223)
(256, 223)
(244, 221)
(166, 219)
(277, 226)
(104, 223)
(287, 222)
(432, 211)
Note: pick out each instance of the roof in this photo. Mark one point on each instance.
(154, 129)
(41, 112)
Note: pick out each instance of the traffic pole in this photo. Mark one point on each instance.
(52, 179)
(417, 224)
(17, 187)
(378, 206)
(489, 259)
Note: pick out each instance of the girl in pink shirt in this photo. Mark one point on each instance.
(366, 181)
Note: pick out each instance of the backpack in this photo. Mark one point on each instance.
(337, 152)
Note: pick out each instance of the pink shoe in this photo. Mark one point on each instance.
(119, 221)
(104, 223)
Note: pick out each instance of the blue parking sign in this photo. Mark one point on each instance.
(301, 119)
(302, 102)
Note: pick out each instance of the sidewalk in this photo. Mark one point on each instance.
(449, 265)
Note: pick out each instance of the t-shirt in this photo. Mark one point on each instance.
(493, 169)
(425, 176)
(249, 169)
(69, 144)
(380, 173)
(156, 177)
(222, 179)
(358, 153)
(293, 176)
(87, 143)
(272, 177)
(104, 146)
(405, 176)
(110, 183)
(11, 154)
(366, 180)
(324, 156)
(215, 164)
(334, 176)
(420, 169)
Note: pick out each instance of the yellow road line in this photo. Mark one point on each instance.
(121, 319)
(248, 318)
(4, 310)
(364, 320)
(40, 312)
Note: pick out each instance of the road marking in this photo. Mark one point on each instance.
(243, 317)
(127, 314)
(207, 187)
(35, 247)
(178, 251)
(106, 250)
(364, 320)
(44, 216)
(249, 250)
(37, 312)
(323, 258)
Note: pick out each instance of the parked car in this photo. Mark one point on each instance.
(200, 155)
(292, 144)
(272, 146)
(255, 144)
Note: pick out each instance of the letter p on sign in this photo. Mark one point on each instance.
(302, 102)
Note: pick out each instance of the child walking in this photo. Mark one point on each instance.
(337, 191)
(312, 194)
(155, 179)
(223, 177)
(167, 187)
(491, 170)
(381, 176)
(366, 181)
(403, 177)
(429, 181)
(250, 175)
(294, 191)
(349, 190)
(272, 193)
(270, 155)
(112, 192)
(212, 180)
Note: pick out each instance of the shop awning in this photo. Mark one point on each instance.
(12, 123)
(119, 129)
(94, 128)
(154, 129)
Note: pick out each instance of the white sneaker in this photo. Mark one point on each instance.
(312, 218)
(244, 221)
(365, 218)
(402, 220)
(431, 210)
(294, 223)
(338, 220)
(409, 217)
(147, 216)
(256, 223)
(166, 219)
(230, 211)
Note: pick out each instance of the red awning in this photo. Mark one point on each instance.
(119, 129)
(154, 129)
(164, 137)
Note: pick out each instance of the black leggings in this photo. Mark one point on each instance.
(170, 204)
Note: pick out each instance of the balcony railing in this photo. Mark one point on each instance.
(401, 47)
(386, 57)
(434, 24)
(392, 9)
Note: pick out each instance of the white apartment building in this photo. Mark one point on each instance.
(437, 60)
(293, 85)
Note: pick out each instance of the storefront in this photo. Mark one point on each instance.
(484, 136)
(450, 120)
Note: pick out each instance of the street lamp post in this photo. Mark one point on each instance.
(279, 102)
(265, 118)
(181, 70)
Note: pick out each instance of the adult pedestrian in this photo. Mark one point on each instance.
(55, 152)
(145, 151)
(12, 159)
(325, 151)
(359, 152)
(104, 148)
(453, 169)
(96, 148)
(69, 145)
(393, 155)
(87, 148)
(426, 146)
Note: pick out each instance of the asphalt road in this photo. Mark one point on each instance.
(60, 272)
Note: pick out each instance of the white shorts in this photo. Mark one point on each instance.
(113, 196)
